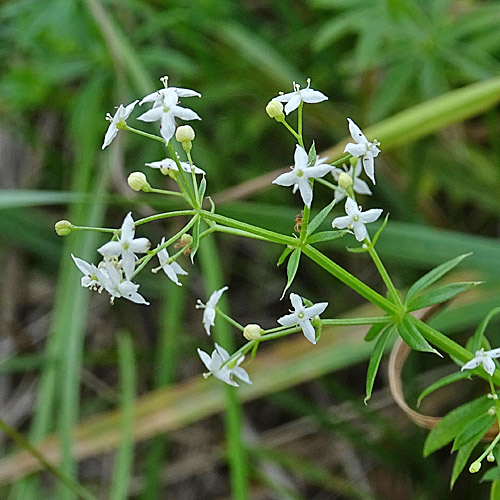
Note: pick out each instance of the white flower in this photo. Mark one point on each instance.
(171, 270)
(118, 287)
(169, 164)
(126, 246)
(363, 149)
(356, 219)
(302, 316)
(301, 173)
(484, 358)
(122, 113)
(93, 277)
(293, 99)
(158, 95)
(165, 110)
(209, 312)
(225, 372)
(359, 186)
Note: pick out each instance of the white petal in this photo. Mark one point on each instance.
(300, 157)
(305, 191)
(129, 109)
(288, 320)
(110, 135)
(222, 352)
(470, 365)
(154, 96)
(205, 358)
(359, 230)
(208, 318)
(312, 96)
(369, 166)
(128, 228)
(286, 179)
(111, 249)
(242, 374)
(185, 113)
(169, 271)
(153, 115)
(315, 309)
(318, 171)
(351, 207)
(225, 376)
(296, 301)
(185, 92)
(140, 245)
(356, 133)
(494, 353)
(83, 266)
(128, 263)
(308, 331)
(370, 215)
(342, 222)
(285, 97)
(360, 186)
(156, 164)
(293, 103)
(355, 150)
(488, 365)
(215, 297)
(167, 128)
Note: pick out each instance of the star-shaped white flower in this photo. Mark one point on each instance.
(209, 308)
(126, 246)
(359, 186)
(363, 149)
(117, 286)
(225, 372)
(158, 95)
(356, 219)
(301, 173)
(93, 277)
(302, 316)
(169, 164)
(171, 270)
(165, 110)
(484, 358)
(121, 115)
(293, 99)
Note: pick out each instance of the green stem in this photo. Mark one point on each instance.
(165, 215)
(74, 486)
(299, 124)
(341, 160)
(383, 273)
(230, 320)
(97, 229)
(305, 221)
(171, 193)
(185, 182)
(145, 134)
(289, 128)
(327, 184)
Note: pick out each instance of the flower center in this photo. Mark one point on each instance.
(355, 218)
(126, 246)
(299, 173)
(301, 315)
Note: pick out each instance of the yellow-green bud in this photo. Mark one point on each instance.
(345, 180)
(252, 332)
(138, 182)
(490, 457)
(274, 109)
(185, 134)
(474, 467)
(63, 227)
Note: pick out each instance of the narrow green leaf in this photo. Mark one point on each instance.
(196, 239)
(319, 218)
(432, 276)
(441, 294)
(311, 156)
(380, 229)
(374, 331)
(462, 458)
(413, 337)
(453, 423)
(291, 268)
(286, 252)
(202, 188)
(449, 379)
(495, 491)
(375, 359)
(477, 339)
(492, 474)
(479, 426)
(326, 236)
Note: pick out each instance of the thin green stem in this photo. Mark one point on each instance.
(145, 134)
(341, 160)
(289, 128)
(299, 124)
(230, 320)
(171, 193)
(74, 486)
(384, 274)
(96, 229)
(165, 215)
(306, 214)
(185, 182)
(327, 184)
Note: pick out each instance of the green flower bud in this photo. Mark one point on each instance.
(274, 109)
(474, 467)
(138, 182)
(252, 332)
(345, 180)
(63, 227)
(185, 134)
(490, 457)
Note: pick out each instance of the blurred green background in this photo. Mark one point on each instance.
(66, 353)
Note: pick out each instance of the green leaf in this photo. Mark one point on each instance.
(375, 358)
(449, 379)
(432, 276)
(322, 215)
(202, 189)
(286, 252)
(477, 339)
(451, 425)
(374, 331)
(311, 156)
(492, 474)
(477, 427)
(462, 458)
(196, 239)
(413, 337)
(495, 491)
(291, 268)
(326, 236)
(379, 232)
(441, 294)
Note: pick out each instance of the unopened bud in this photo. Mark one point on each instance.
(138, 182)
(345, 180)
(490, 457)
(474, 467)
(252, 332)
(185, 134)
(185, 240)
(274, 109)
(492, 411)
(63, 227)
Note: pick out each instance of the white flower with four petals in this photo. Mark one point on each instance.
(302, 316)
(209, 308)
(293, 99)
(301, 173)
(356, 219)
(118, 287)
(156, 97)
(169, 164)
(363, 149)
(173, 269)
(218, 367)
(126, 246)
(122, 113)
(484, 358)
